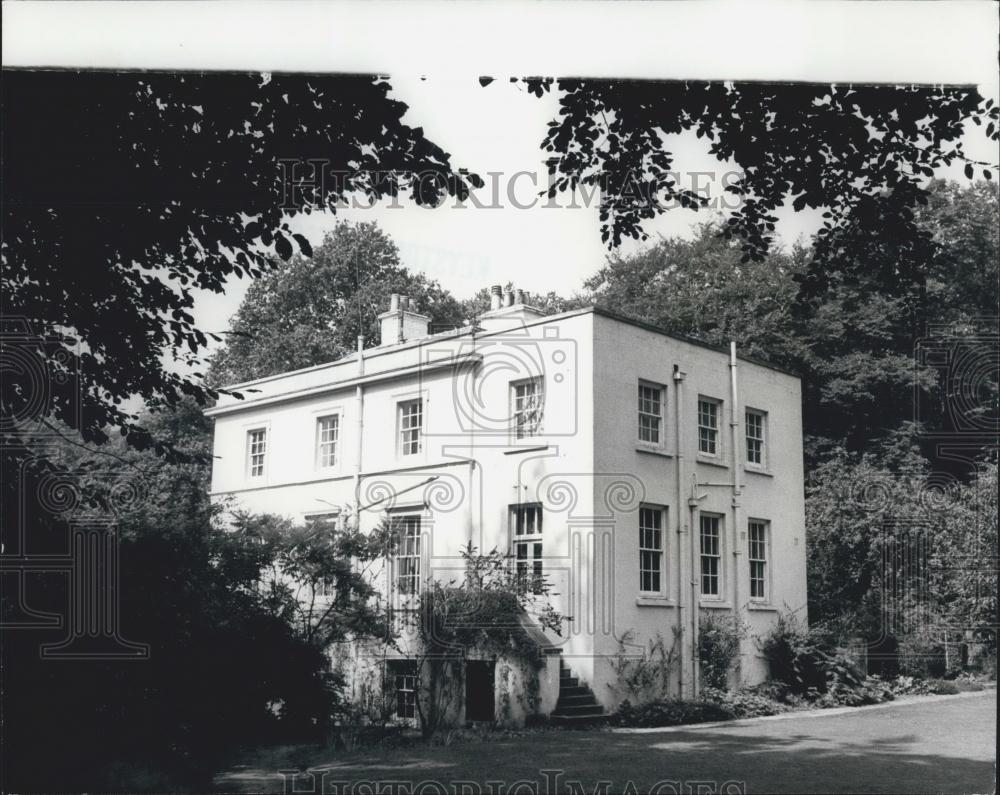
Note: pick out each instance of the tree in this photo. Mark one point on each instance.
(700, 289)
(310, 310)
(236, 655)
(151, 186)
(843, 149)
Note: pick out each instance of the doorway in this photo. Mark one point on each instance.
(480, 699)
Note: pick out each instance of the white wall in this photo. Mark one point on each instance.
(585, 468)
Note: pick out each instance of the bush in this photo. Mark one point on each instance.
(669, 712)
(745, 703)
(718, 646)
(807, 663)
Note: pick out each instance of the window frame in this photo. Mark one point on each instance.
(249, 462)
(320, 465)
(762, 415)
(532, 541)
(401, 418)
(538, 427)
(764, 546)
(398, 521)
(661, 425)
(717, 556)
(717, 437)
(660, 550)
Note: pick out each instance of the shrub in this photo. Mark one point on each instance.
(718, 646)
(670, 712)
(744, 703)
(806, 662)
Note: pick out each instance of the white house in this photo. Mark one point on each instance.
(644, 474)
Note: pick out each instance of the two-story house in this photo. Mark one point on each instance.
(652, 479)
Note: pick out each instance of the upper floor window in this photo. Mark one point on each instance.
(711, 555)
(757, 538)
(528, 398)
(327, 436)
(256, 452)
(650, 549)
(756, 429)
(407, 529)
(708, 426)
(411, 423)
(650, 413)
(526, 529)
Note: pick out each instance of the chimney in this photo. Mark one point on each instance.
(503, 314)
(401, 323)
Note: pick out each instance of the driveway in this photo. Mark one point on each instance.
(943, 744)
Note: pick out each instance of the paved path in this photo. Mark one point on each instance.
(935, 745)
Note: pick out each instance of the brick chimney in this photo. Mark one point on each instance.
(507, 310)
(401, 323)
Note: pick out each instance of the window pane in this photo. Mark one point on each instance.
(256, 450)
(708, 426)
(710, 555)
(327, 436)
(410, 426)
(528, 399)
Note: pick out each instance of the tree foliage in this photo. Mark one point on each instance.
(152, 186)
(847, 150)
(311, 310)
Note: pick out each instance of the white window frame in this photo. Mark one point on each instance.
(713, 552)
(403, 417)
(520, 408)
(716, 437)
(527, 537)
(643, 412)
(321, 463)
(409, 553)
(649, 546)
(250, 453)
(759, 552)
(761, 440)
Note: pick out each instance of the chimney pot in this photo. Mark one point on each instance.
(508, 298)
(519, 296)
(404, 302)
(394, 302)
(496, 297)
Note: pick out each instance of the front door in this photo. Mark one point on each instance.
(479, 696)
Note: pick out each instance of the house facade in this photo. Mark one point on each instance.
(652, 480)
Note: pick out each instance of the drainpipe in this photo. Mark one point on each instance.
(681, 529)
(359, 400)
(693, 503)
(734, 425)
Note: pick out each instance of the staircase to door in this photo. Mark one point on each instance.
(577, 705)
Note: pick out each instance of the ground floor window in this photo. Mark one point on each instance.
(403, 679)
(711, 557)
(757, 537)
